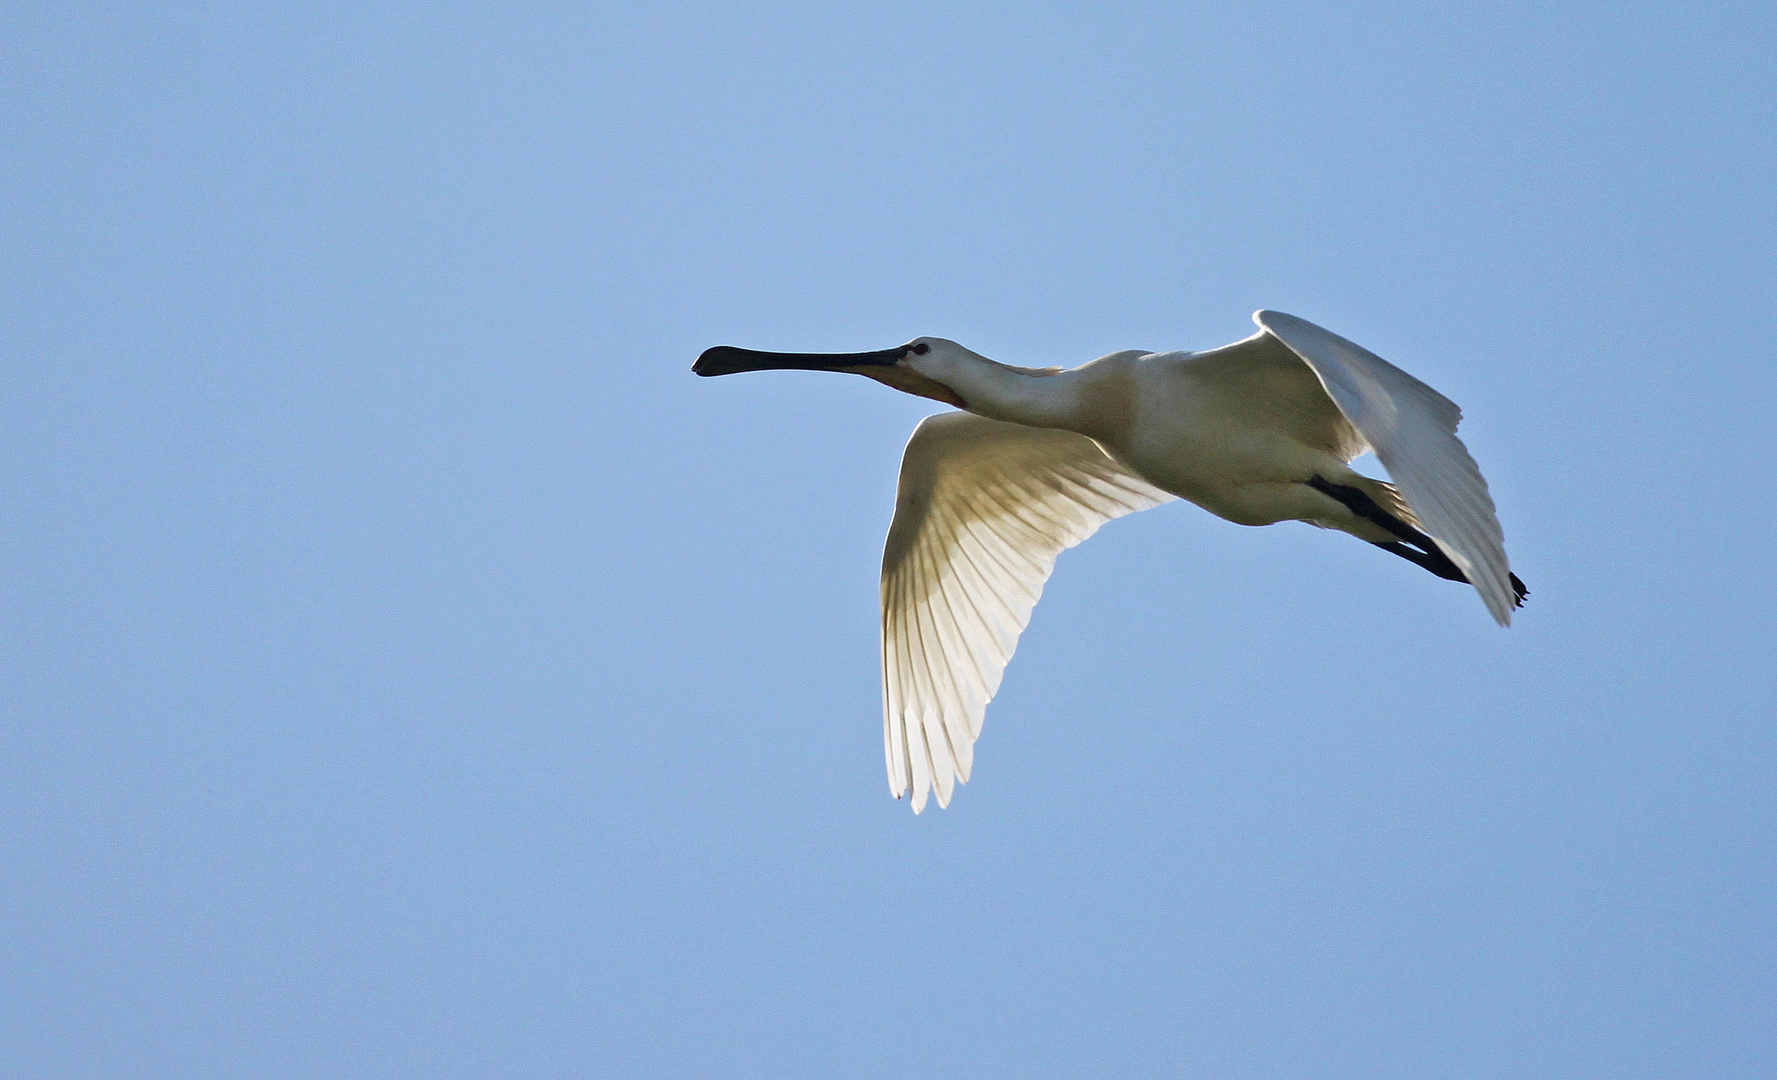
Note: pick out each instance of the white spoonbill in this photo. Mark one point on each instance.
(1256, 432)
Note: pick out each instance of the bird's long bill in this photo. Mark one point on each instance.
(726, 360)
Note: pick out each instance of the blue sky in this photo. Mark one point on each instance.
(410, 669)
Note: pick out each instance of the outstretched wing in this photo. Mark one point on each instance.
(983, 509)
(1412, 428)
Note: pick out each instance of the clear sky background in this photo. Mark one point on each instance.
(408, 668)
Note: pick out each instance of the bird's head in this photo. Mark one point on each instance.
(925, 366)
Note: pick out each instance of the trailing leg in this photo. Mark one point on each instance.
(1424, 551)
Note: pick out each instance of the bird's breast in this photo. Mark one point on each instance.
(1247, 474)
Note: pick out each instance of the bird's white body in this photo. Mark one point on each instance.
(1256, 432)
(1233, 430)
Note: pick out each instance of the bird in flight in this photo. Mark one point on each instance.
(1256, 432)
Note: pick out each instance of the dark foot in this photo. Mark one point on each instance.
(1428, 553)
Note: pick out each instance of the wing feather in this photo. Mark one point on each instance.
(982, 511)
(1412, 428)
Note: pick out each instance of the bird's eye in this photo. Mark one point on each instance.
(922, 348)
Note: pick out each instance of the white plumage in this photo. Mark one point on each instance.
(1412, 429)
(982, 510)
(1257, 432)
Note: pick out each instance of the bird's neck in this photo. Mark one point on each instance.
(1034, 397)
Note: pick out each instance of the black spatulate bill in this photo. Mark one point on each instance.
(727, 360)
